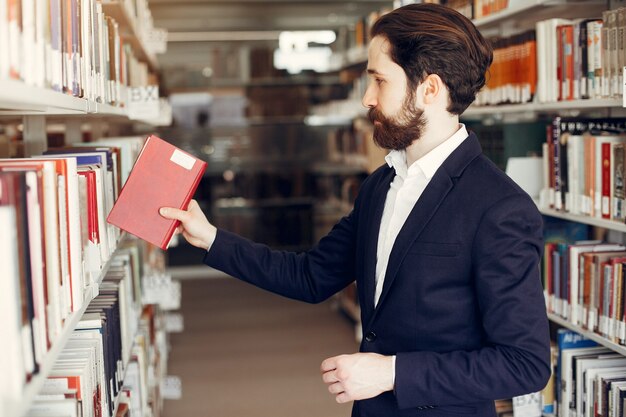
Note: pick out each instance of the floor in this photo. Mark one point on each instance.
(249, 353)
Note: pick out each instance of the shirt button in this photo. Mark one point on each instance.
(370, 337)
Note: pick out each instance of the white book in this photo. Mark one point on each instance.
(85, 55)
(548, 41)
(614, 399)
(41, 24)
(4, 40)
(585, 363)
(74, 241)
(64, 249)
(590, 378)
(54, 408)
(598, 53)
(15, 41)
(89, 328)
(36, 249)
(603, 375)
(568, 376)
(11, 351)
(28, 41)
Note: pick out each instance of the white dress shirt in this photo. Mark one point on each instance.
(404, 191)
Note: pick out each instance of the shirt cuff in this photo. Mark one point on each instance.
(393, 370)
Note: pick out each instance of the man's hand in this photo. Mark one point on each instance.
(194, 225)
(358, 376)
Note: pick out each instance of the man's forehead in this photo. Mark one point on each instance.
(378, 55)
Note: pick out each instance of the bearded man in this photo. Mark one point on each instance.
(443, 246)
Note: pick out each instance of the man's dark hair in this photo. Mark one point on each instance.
(433, 39)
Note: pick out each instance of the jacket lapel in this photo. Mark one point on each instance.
(425, 208)
(374, 218)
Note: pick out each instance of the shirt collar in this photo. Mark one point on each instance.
(429, 163)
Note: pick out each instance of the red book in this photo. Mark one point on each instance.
(163, 176)
(606, 181)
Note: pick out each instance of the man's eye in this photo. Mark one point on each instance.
(379, 81)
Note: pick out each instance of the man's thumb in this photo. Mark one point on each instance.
(170, 213)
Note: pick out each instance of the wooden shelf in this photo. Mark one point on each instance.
(591, 335)
(129, 31)
(32, 388)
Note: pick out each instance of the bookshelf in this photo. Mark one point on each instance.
(19, 98)
(559, 106)
(28, 103)
(592, 221)
(34, 385)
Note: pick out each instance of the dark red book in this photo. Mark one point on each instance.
(163, 176)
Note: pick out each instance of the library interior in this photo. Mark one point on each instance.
(264, 122)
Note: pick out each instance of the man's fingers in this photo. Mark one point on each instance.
(329, 364)
(172, 213)
(343, 398)
(193, 204)
(329, 377)
(335, 388)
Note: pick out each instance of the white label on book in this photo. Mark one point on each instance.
(182, 159)
(622, 330)
(143, 102)
(171, 388)
(591, 323)
(527, 405)
(52, 385)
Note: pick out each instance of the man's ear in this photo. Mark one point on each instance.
(432, 87)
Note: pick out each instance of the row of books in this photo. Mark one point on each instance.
(104, 372)
(513, 72)
(584, 167)
(590, 380)
(561, 60)
(54, 207)
(584, 284)
(70, 46)
(581, 58)
(115, 356)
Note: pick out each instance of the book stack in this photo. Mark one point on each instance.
(53, 209)
(106, 367)
(584, 284)
(584, 167)
(581, 58)
(70, 46)
(513, 73)
(591, 380)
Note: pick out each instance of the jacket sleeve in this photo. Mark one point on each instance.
(515, 357)
(312, 276)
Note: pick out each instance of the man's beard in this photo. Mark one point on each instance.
(399, 132)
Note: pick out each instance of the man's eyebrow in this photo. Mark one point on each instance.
(373, 72)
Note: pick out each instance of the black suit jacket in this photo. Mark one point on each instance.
(462, 305)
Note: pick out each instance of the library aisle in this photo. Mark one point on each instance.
(247, 352)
